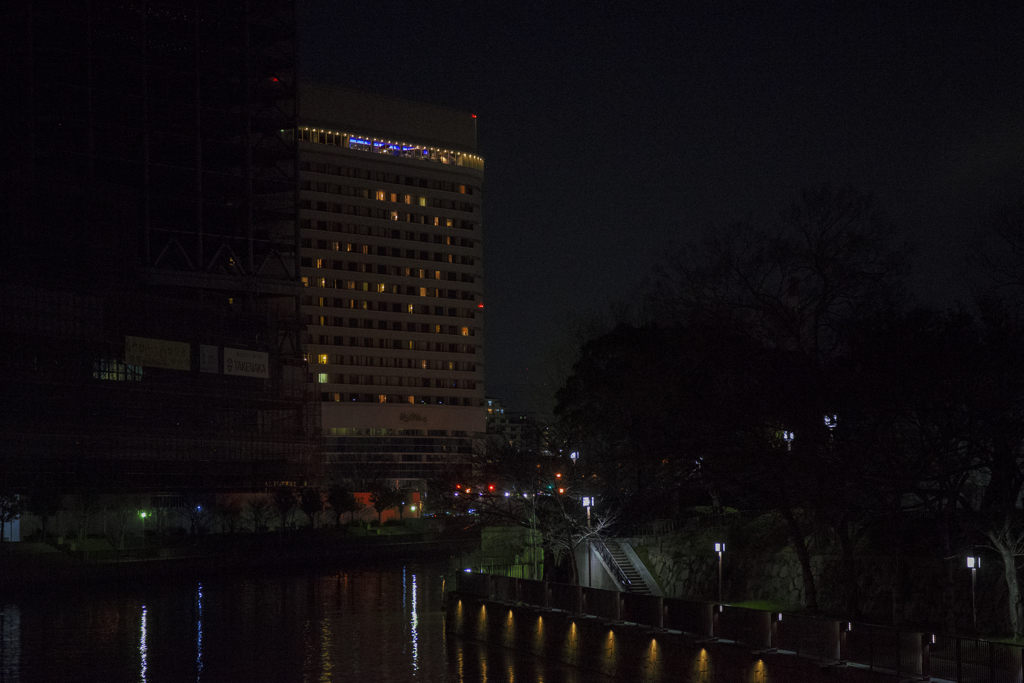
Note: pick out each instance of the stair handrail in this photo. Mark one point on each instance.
(606, 555)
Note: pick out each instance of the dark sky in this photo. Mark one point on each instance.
(610, 130)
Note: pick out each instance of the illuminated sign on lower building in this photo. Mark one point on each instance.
(246, 363)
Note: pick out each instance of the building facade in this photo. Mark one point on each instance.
(149, 280)
(392, 268)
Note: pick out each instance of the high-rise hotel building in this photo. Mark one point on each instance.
(391, 263)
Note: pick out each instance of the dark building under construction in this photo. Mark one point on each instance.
(149, 285)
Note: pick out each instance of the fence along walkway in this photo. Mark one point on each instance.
(903, 653)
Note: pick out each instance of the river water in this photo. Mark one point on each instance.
(370, 623)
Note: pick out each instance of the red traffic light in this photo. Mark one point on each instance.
(490, 487)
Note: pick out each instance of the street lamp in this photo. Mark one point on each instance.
(974, 563)
(719, 548)
(142, 514)
(574, 456)
(788, 438)
(588, 502)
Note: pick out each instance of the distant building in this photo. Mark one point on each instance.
(497, 421)
(392, 269)
(521, 431)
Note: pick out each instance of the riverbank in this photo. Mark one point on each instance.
(27, 566)
(637, 637)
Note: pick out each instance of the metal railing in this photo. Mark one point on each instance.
(878, 648)
(609, 560)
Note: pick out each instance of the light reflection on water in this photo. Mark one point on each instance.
(370, 623)
(142, 644)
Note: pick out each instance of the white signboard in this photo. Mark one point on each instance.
(246, 363)
(157, 353)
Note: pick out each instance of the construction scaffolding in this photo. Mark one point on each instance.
(147, 194)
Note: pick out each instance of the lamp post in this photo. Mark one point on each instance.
(588, 502)
(831, 422)
(974, 563)
(719, 548)
(142, 514)
(788, 438)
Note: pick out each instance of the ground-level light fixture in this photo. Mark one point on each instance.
(788, 437)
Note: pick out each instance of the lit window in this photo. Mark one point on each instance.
(465, 331)
(322, 359)
(322, 378)
(394, 215)
(423, 201)
(381, 287)
(408, 199)
(409, 308)
(381, 195)
(305, 282)
(394, 197)
(319, 263)
(423, 291)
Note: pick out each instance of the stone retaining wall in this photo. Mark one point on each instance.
(633, 653)
(777, 577)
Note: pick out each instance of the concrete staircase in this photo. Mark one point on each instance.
(636, 581)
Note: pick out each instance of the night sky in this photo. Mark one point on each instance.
(611, 130)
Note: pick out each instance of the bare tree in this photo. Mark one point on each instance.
(121, 511)
(311, 502)
(87, 504)
(342, 500)
(284, 503)
(10, 510)
(384, 496)
(1007, 539)
(257, 512)
(229, 511)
